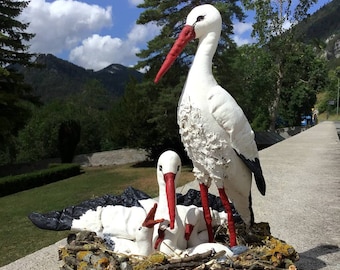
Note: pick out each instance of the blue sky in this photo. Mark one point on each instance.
(96, 33)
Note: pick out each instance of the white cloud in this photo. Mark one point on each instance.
(242, 33)
(75, 28)
(136, 2)
(241, 28)
(62, 24)
(287, 25)
(97, 52)
(141, 33)
(242, 41)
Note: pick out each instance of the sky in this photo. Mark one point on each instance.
(94, 34)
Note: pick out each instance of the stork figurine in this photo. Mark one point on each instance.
(181, 227)
(170, 235)
(143, 237)
(214, 130)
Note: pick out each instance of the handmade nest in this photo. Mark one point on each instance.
(86, 251)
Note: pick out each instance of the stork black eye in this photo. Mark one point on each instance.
(200, 18)
(160, 167)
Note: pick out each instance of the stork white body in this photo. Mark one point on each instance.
(89, 221)
(142, 245)
(194, 218)
(187, 219)
(214, 130)
(114, 220)
(199, 249)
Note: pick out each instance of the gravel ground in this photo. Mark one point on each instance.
(302, 204)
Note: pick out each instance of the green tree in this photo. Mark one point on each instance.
(128, 118)
(328, 102)
(69, 137)
(269, 28)
(305, 76)
(94, 96)
(163, 121)
(39, 138)
(252, 83)
(15, 95)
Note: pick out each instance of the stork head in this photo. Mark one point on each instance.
(201, 20)
(168, 171)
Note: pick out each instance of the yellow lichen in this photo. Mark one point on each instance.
(155, 258)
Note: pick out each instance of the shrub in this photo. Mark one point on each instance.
(16, 183)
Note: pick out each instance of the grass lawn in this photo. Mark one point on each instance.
(19, 237)
(331, 117)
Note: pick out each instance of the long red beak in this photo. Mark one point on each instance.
(187, 34)
(169, 179)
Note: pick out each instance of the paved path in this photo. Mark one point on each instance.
(302, 204)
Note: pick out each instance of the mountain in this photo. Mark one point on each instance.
(322, 29)
(322, 24)
(57, 78)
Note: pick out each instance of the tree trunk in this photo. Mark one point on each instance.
(273, 109)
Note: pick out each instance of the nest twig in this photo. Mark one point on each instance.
(87, 251)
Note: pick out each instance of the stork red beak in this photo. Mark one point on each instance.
(187, 34)
(169, 179)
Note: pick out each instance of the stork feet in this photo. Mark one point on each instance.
(253, 235)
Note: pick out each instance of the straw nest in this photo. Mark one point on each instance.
(86, 251)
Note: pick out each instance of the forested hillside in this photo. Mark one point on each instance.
(56, 78)
(321, 25)
(322, 30)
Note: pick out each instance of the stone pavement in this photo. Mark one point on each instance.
(302, 204)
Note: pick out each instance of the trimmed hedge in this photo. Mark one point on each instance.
(16, 183)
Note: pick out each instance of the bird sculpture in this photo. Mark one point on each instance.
(142, 245)
(124, 221)
(170, 236)
(182, 226)
(214, 130)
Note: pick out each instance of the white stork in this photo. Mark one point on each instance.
(214, 130)
(143, 242)
(170, 236)
(182, 224)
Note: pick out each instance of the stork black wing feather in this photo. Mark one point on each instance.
(255, 167)
(62, 220)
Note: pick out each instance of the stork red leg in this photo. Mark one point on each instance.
(206, 211)
(231, 224)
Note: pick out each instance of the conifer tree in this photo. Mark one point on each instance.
(14, 93)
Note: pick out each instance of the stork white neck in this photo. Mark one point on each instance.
(205, 51)
(201, 69)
